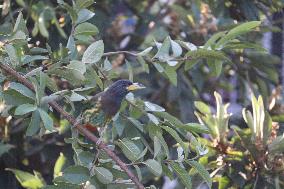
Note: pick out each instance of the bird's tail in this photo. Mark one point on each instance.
(90, 127)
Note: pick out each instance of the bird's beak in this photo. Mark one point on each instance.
(135, 86)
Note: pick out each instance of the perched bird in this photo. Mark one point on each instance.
(106, 104)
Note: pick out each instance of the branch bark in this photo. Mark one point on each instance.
(80, 127)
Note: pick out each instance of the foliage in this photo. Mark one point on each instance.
(66, 53)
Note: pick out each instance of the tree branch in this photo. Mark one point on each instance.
(80, 127)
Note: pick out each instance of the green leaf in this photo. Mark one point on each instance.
(202, 107)
(153, 118)
(163, 51)
(215, 66)
(157, 146)
(176, 49)
(34, 125)
(176, 136)
(76, 174)
(4, 148)
(74, 76)
(138, 171)
(154, 166)
(86, 29)
(41, 25)
(143, 64)
(77, 65)
(182, 174)
(20, 24)
(103, 175)
(59, 164)
(208, 54)
(27, 180)
(11, 51)
(172, 74)
(223, 182)
(28, 58)
(201, 170)
(158, 132)
(46, 119)
(22, 89)
(239, 30)
(24, 109)
(211, 42)
(149, 106)
(129, 149)
(86, 158)
(94, 52)
(145, 52)
(159, 67)
(84, 15)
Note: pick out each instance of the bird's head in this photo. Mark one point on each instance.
(121, 87)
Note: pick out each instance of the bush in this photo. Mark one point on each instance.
(53, 59)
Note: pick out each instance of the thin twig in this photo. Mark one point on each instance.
(80, 127)
(120, 52)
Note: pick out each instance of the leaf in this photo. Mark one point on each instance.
(202, 107)
(157, 146)
(86, 29)
(74, 76)
(215, 67)
(155, 131)
(223, 182)
(145, 52)
(153, 107)
(211, 42)
(94, 52)
(28, 58)
(75, 97)
(24, 109)
(176, 49)
(77, 65)
(143, 64)
(34, 125)
(153, 118)
(41, 25)
(208, 54)
(159, 67)
(182, 174)
(138, 171)
(172, 74)
(176, 136)
(22, 89)
(27, 180)
(107, 65)
(86, 158)
(11, 51)
(12, 97)
(59, 164)
(84, 15)
(103, 175)
(129, 149)
(163, 51)
(4, 148)
(76, 174)
(154, 166)
(46, 119)
(20, 24)
(201, 170)
(239, 30)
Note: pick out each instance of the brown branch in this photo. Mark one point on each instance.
(80, 127)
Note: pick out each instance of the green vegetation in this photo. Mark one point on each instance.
(54, 56)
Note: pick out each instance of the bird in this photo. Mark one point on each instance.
(105, 105)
